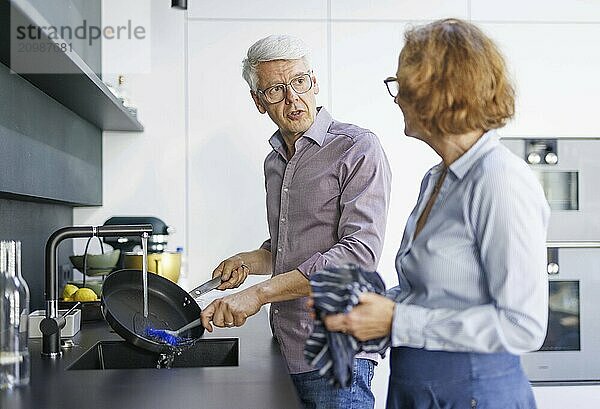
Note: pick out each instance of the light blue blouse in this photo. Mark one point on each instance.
(475, 277)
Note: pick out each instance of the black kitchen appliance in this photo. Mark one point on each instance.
(157, 241)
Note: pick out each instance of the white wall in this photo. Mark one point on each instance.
(144, 173)
(208, 182)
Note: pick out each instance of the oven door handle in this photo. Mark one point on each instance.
(573, 244)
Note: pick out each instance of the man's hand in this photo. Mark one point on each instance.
(232, 310)
(370, 319)
(233, 272)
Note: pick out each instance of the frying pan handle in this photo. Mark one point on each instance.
(206, 287)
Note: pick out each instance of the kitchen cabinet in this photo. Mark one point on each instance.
(535, 11)
(562, 100)
(67, 78)
(47, 153)
(393, 10)
(268, 9)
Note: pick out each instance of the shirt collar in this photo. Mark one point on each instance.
(320, 126)
(486, 143)
(316, 132)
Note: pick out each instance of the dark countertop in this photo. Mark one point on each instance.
(260, 381)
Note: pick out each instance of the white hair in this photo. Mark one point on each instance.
(273, 47)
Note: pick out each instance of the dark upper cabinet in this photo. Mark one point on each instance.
(47, 152)
(73, 68)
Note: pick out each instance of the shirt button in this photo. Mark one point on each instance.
(279, 249)
(275, 311)
(285, 189)
(283, 219)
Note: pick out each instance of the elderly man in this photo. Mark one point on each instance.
(327, 186)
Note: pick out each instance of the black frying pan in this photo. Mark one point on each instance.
(170, 307)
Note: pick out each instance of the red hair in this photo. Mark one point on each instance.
(454, 79)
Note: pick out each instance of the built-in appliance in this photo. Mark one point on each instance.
(157, 244)
(157, 241)
(568, 169)
(571, 350)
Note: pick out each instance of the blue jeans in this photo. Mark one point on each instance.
(316, 393)
(421, 379)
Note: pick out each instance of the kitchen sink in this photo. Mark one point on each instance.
(121, 355)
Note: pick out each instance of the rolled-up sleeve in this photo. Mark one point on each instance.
(365, 182)
(266, 245)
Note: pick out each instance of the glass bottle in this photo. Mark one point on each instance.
(183, 278)
(14, 317)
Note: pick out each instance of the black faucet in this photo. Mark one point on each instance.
(53, 323)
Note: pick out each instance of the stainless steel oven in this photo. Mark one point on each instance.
(571, 350)
(568, 169)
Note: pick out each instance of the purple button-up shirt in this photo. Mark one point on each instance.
(326, 206)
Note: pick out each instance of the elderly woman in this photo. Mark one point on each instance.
(471, 265)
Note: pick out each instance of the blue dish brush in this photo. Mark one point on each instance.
(162, 336)
(171, 337)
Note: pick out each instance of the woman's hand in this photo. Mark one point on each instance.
(370, 319)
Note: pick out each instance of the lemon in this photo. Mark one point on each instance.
(69, 290)
(84, 294)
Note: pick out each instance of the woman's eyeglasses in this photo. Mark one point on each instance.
(392, 86)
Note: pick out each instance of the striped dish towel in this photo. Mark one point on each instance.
(336, 290)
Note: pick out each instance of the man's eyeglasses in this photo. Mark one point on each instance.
(276, 93)
(392, 86)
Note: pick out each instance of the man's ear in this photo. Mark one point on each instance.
(258, 103)
(315, 85)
